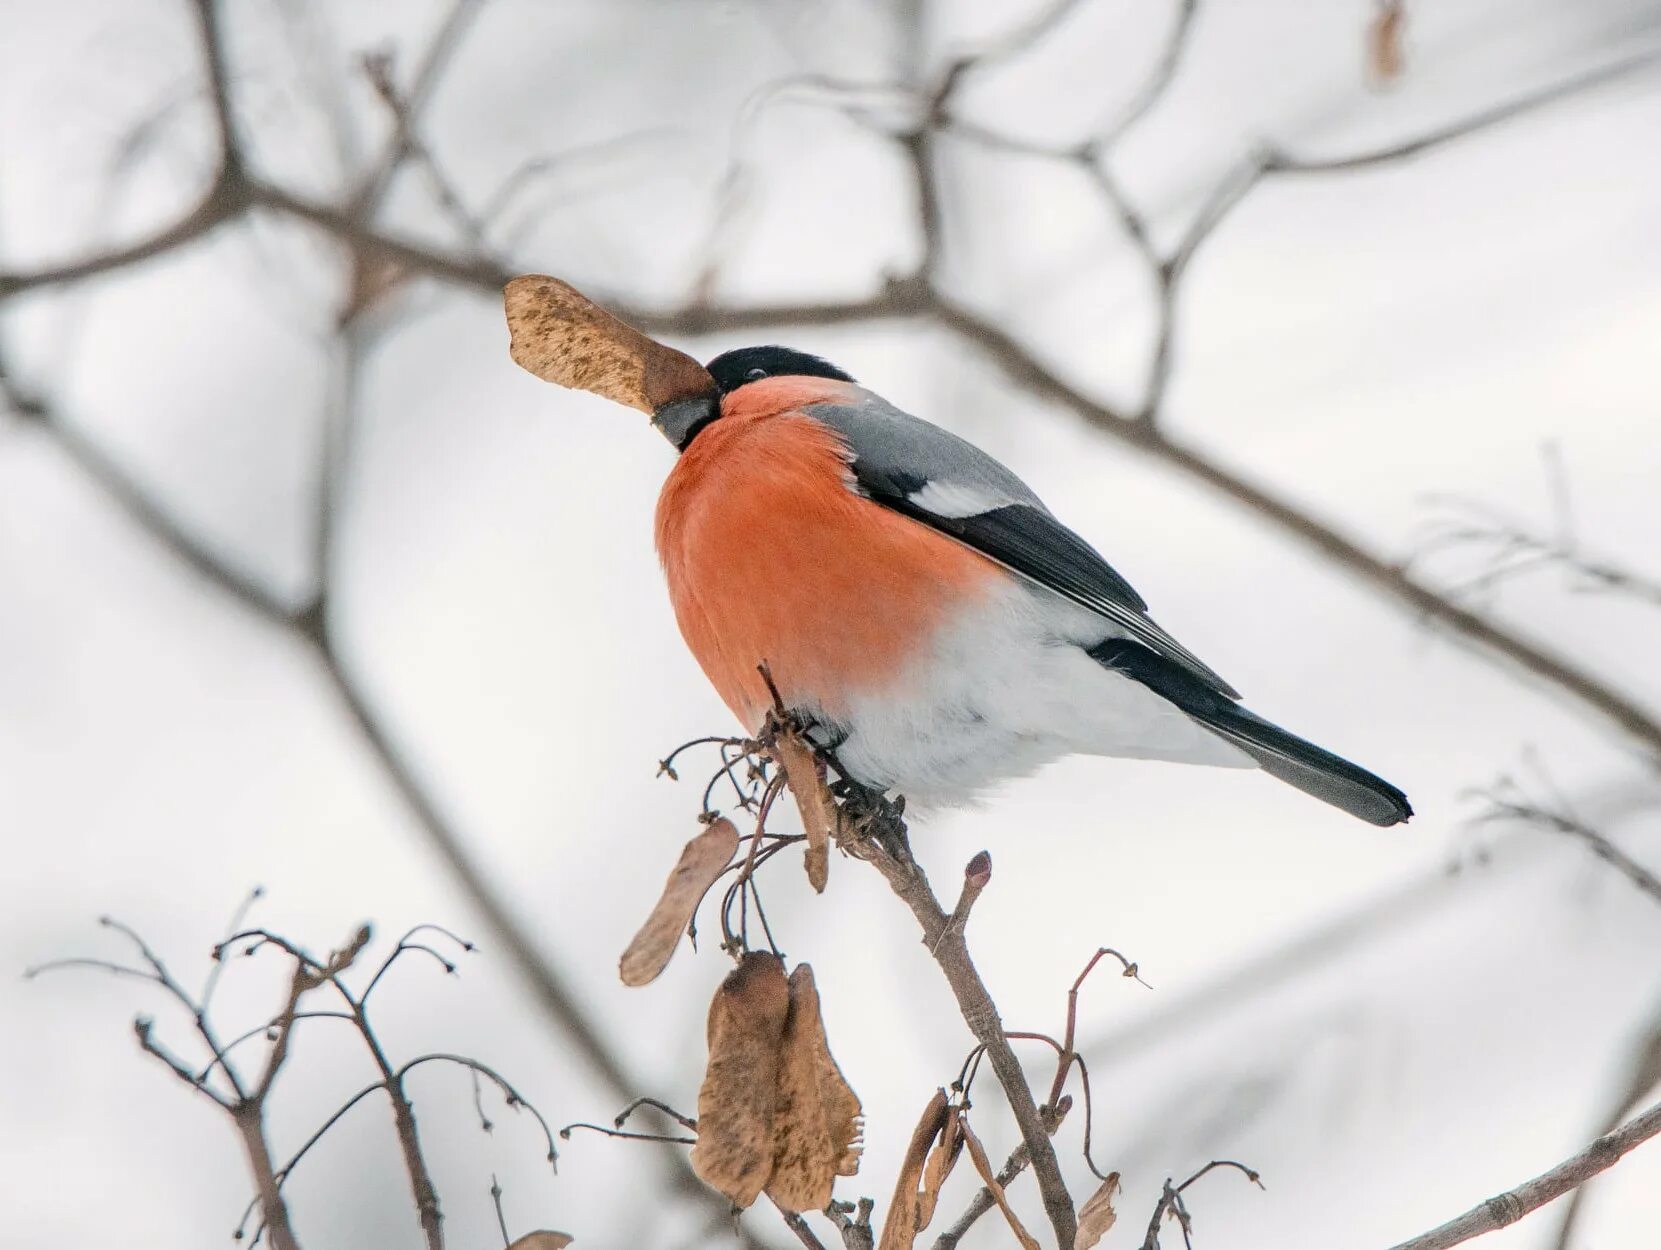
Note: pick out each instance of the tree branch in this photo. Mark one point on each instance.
(1644, 1074)
(211, 40)
(225, 201)
(1511, 1206)
(946, 943)
(1285, 163)
(250, 1125)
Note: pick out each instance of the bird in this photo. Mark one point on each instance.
(920, 609)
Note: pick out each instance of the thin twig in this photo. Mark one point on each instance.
(626, 1134)
(984, 1200)
(1159, 81)
(501, 1216)
(1171, 1201)
(1504, 805)
(685, 1121)
(797, 1225)
(1289, 163)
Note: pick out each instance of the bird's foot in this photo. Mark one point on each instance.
(871, 816)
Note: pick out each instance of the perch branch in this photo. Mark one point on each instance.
(1511, 1206)
(949, 949)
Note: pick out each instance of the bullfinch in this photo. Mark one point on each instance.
(919, 607)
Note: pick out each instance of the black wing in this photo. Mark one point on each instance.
(950, 485)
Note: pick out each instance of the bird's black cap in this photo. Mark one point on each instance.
(733, 369)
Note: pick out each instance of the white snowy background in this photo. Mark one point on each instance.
(1387, 1042)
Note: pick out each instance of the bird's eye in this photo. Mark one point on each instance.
(753, 374)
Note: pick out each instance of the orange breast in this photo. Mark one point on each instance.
(770, 557)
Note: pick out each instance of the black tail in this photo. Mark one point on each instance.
(1318, 773)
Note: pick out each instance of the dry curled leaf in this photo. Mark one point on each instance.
(544, 1240)
(1097, 1215)
(801, 772)
(817, 1121)
(901, 1227)
(562, 336)
(702, 861)
(737, 1101)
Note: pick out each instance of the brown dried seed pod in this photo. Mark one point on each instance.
(702, 861)
(983, 1165)
(942, 1159)
(901, 1227)
(544, 1240)
(737, 1101)
(816, 1132)
(1097, 1215)
(801, 771)
(1386, 35)
(562, 336)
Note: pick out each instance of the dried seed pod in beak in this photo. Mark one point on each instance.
(564, 337)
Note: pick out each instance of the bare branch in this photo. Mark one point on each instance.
(514, 1098)
(1511, 1206)
(157, 523)
(853, 1221)
(250, 1123)
(622, 1117)
(266, 1030)
(1279, 162)
(1509, 549)
(238, 918)
(144, 1031)
(1159, 81)
(212, 42)
(1171, 1202)
(797, 1225)
(626, 1134)
(106, 965)
(950, 951)
(1506, 802)
(407, 106)
(1013, 43)
(225, 201)
(1643, 1075)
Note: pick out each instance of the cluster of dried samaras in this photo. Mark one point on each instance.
(775, 1113)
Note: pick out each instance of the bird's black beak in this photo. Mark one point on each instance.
(680, 420)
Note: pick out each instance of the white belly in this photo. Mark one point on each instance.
(1006, 689)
